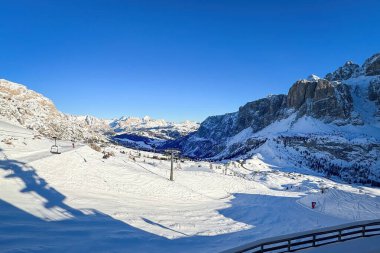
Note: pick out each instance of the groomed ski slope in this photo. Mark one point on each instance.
(79, 202)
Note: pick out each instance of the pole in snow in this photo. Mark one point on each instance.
(171, 167)
(172, 153)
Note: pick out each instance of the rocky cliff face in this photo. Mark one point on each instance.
(211, 137)
(371, 66)
(345, 103)
(257, 114)
(34, 111)
(374, 91)
(321, 99)
(374, 95)
(261, 113)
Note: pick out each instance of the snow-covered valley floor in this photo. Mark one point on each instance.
(79, 202)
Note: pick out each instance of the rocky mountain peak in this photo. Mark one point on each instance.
(146, 118)
(313, 78)
(371, 66)
(348, 70)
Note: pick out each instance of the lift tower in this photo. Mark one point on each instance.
(173, 154)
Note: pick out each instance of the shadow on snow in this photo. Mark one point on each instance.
(94, 231)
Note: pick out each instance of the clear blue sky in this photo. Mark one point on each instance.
(177, 59)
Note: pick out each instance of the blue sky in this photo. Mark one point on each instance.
(177, 59)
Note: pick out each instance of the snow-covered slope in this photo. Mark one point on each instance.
(329, 124)
(80, 202)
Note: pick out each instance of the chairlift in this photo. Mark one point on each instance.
(54, 148)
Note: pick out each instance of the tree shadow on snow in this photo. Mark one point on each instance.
(34, 184)
(83, 231)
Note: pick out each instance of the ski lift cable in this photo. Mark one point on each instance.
(188, 188)
(144, 168)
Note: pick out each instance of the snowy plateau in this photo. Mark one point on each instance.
(242, 177)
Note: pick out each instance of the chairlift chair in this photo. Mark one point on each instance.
(54, 148)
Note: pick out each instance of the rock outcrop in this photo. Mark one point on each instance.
(348, 70)
(260, 113)
(321, 99)
(371, 66)
(374, 91)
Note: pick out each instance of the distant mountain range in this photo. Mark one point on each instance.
(329, 124)
(32, 110)
(146, 133)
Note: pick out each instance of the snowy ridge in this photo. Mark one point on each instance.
(330, 125)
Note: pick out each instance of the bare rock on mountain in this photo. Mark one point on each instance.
(348, 70)
(371, 66)
(374, 91)
(374, 95)
(321, 99)
(260, 113)
(300, 92)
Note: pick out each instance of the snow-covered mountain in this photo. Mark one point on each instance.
(147, 133)
(20, 105)
(153, 128)
(329, 124)
(27, 108)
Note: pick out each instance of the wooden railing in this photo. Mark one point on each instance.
(313, 238)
